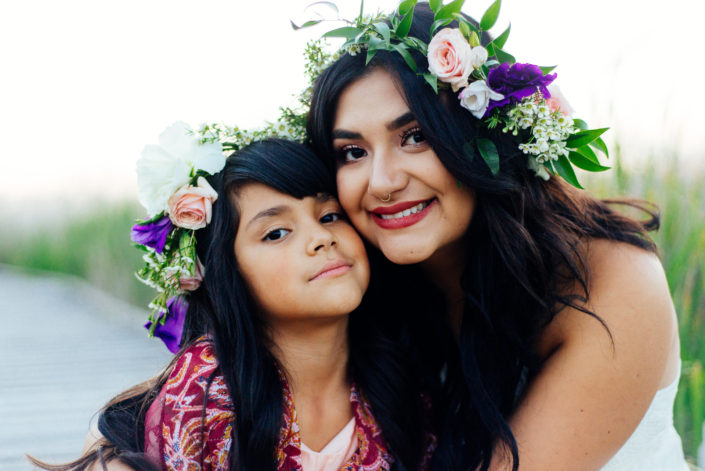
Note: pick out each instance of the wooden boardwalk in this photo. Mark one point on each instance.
(65, 350)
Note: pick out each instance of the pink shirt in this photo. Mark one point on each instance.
(334, 455)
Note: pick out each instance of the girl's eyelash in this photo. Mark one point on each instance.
(267, 236)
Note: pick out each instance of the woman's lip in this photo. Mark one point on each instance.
(404, 221)
(332, 269)
(396, 207)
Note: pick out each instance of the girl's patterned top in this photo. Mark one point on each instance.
(180, 435)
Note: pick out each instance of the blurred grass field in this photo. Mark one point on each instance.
(96, 246)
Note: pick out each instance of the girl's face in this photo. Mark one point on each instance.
(391, 184)
(299, 257)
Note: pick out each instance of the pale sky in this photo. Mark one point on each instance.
(85, 84)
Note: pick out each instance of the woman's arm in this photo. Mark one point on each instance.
(591, 393)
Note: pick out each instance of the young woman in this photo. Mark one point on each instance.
(280, 368)
(567, 342)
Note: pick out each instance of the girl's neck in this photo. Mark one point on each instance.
(445, 268)
(314, 356)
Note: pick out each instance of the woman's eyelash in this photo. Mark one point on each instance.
(409, 132)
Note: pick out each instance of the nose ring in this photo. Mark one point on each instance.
(387, 199)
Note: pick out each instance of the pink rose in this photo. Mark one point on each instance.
(191, 206)
(558, 101)
(191, 283)
(450, 58)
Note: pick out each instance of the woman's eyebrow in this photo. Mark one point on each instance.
(266, 213)
(394, 124)
(402, 120)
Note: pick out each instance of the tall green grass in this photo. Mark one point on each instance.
(96, 246)
(680, 196)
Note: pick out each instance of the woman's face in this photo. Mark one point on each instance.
(299, 257)
(391, 184)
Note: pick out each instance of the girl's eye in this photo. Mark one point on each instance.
(331, 217)
(276, 234)
(351, 153)
(413, 136)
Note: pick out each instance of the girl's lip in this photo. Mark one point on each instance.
(395, 208)
(332, 269)
(403, 221)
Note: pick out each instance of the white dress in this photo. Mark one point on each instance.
(655, 445)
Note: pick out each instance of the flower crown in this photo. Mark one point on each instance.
(489, 83)
(172, 186)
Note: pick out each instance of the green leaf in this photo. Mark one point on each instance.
(547, 69)
(347, 32)
(432, 80)
(450, 10)
(565, 170)
(588, 153)
(328, 4)
(405, 25)
(503, 57)
(490, 17)
(435, 5)
(501, 40)
(305, 25)
(489, 153)
(406, 6)
(580, 124)
(600, 145)
(580, 161)
(406, 55)
(465, 30)
(582, 138)
(439, 23)
(383, 30)
(374, 45)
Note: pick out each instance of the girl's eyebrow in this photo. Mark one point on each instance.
(394, 124)
(274, 211)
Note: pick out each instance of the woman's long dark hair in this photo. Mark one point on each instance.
(524, 250)
(223, 308)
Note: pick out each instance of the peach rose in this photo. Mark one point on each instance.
(191, 206)
(558, 101)
(450, 58)
(191, 283)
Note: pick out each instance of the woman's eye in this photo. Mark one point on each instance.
(413, 137)
(331, 217)
(351, 153)
(276, 234)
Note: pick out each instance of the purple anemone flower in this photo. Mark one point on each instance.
(170, 333)
(152, 234)
(517, 82)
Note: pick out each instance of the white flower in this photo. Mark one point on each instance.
(164, 168)
(478, 56)
(476, 97)
(539, 169)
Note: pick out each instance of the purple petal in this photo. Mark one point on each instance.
(153, 234)
(172, 329)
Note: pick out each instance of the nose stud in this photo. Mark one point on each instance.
(387, 198)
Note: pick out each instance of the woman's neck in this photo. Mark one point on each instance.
(445, 268)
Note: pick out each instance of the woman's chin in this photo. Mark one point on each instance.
(405, 255)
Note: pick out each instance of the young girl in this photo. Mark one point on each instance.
(280, 367)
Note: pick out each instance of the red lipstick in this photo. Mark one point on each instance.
(402, 221)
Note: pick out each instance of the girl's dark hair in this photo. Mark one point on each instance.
(223, 308)
(524, 250)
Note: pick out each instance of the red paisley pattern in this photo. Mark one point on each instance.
(177, 436)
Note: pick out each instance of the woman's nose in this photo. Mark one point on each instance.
(386, 177)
